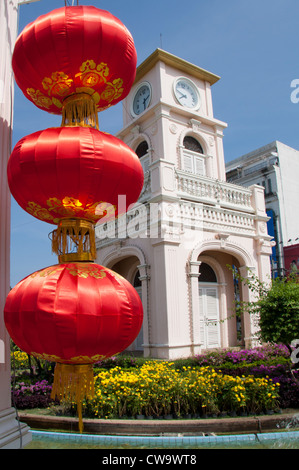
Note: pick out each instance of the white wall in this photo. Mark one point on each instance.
(10, 432)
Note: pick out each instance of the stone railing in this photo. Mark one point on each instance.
(208, 190)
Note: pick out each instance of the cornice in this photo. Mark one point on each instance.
(169, 59)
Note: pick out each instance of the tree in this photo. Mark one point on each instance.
(276, 306)
(278, 310)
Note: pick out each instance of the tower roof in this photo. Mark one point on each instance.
(174, 61)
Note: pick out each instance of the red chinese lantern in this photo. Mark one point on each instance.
(72, 50)
(66, 172)
(63, 174)
(75, 315)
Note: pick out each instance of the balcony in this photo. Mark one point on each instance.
(200, 188)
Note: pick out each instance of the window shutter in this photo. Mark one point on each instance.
(188, 163)
(194, 163)
(199, 166)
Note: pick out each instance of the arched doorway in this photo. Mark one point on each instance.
(208, 293)
(142, 152)
(216, 294)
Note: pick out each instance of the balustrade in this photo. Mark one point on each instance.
(213, 191)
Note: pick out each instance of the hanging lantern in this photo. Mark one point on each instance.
(75, 50)
(75, 315)
(67, 175)
(66, 172)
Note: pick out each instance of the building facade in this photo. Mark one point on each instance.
(276, 168)
(176, 246)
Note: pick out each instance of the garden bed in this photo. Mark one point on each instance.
(242, 382)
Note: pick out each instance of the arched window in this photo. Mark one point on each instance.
(137, 282)
(192, 144)
(206, 273)
(142, 149)
(193, 156)
(142, 152)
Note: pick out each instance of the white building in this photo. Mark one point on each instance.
(175, 247)
(12, 433)
(275, 167)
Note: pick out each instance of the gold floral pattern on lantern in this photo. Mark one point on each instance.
(92, 74)
(75, 269)
(89, 77)
(40, 212)
(58, 84)
(87, 359)
(46, 357)
(73, 360)
(84, 271)
(69, 207)
(39, 99)
(113, 90)
(46, 272)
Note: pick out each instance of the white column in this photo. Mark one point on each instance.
(145, 279)
(12, 434)
(224, 314)
(250, 321)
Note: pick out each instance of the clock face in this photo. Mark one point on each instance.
(142, 98)
(186, 93)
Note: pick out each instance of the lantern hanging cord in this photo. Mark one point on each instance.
(67, 3)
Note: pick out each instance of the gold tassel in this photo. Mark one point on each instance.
(80, 110)
(74, 240)
(73, 383)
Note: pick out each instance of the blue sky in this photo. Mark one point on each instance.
(252, 45)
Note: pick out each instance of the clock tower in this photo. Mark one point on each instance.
(174, 247)
(172, 99)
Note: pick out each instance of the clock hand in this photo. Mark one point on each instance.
(183, 96)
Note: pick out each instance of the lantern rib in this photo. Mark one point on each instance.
(40, 174)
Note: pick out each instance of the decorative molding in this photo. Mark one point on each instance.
(215, 245)
(195, 124)
(211, 141)
(135, 132)
(173, 128)
(222, 237)
(193, 268)
(154, 129)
